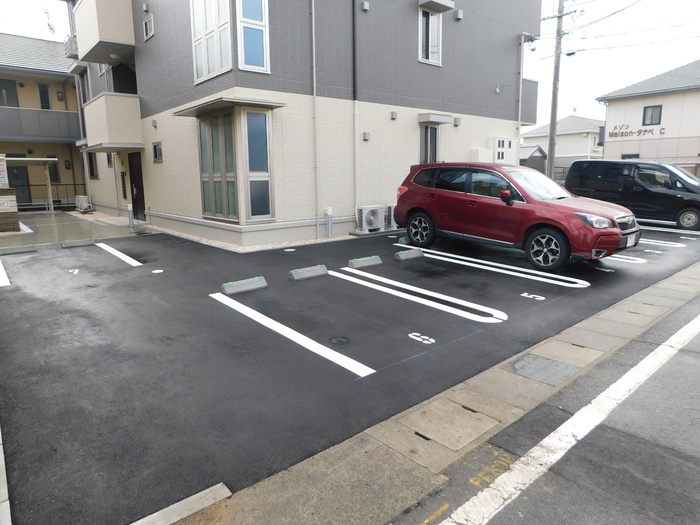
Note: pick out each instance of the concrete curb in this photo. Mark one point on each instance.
(5, 517)
(187, 506)
(322, 490)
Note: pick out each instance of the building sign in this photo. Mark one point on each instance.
(625, 131)
(3, 172)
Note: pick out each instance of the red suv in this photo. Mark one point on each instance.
(510, 206)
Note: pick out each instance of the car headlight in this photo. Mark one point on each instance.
(595, 220)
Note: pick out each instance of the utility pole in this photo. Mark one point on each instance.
(552, 146)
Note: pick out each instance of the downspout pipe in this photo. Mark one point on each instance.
(356, 108)
(317, 149)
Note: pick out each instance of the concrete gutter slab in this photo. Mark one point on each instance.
(448, 423)
(510, 388)
(359, 481)
(543, 369)
(431, 454)
(567, 352)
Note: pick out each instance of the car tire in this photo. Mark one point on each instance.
(547, 249)
(688, 219)
(420, 230)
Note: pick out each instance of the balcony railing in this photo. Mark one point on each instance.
(70, 46)
(38, 125)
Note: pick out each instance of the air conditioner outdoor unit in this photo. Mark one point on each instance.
(390, 222)
(370, 218)
(82, 204)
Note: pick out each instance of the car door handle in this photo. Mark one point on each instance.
(473, 203)
(432, 196)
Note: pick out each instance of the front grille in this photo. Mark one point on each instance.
(626, 222)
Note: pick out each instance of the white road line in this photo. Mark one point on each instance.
(333, 356)
(4, 279)
(117, 253)
(525, 273)
(496, 315)
(487, 503)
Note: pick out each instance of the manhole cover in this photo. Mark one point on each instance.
(339, 340)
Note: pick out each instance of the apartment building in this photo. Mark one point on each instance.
(39, 119)
(258, 121)
(657, 119)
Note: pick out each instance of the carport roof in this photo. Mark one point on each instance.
(676, 161)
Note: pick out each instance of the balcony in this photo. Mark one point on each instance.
(38, 125)
(105, 30)
(113, 123)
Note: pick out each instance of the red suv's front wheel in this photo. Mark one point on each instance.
(420, 230)
(547, 249)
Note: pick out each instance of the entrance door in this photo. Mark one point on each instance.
(137, 198)
(19, 179)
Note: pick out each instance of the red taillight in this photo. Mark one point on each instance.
(400, 191)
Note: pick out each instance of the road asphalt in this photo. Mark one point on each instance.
(452, 458)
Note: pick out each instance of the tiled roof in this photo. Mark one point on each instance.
(680, 79)
(32, 54)
(570, 124)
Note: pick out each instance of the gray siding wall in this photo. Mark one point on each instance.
(479, 53)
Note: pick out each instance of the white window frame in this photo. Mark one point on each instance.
(202, 35)
(425, 145)
(253, 176)
(421, 37)
(263, 26)
(148, 28)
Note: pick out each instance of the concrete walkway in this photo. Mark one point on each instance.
(49, 228)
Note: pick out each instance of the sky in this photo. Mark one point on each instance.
(643, 39)
(616, 43)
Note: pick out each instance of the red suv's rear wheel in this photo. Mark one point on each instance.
(420, 230)
(547, 249)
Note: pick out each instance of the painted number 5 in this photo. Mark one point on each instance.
(532, 296)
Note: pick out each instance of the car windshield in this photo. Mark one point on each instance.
(686, 177)
(537, 184)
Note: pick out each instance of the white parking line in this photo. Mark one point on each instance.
(4, 279)
(496, 316)
(626, 258)
(117, 253)
(525, 273)
(662, 243)
(670, 230)
(490, 501)
(333, 356)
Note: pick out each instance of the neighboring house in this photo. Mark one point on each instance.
(657, 119)
(39, 119)
(533, 157)
(577, 138)
(256, 121)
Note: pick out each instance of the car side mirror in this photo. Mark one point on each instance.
(507, 197)
(668, 184)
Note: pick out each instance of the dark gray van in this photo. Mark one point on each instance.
(653, 191)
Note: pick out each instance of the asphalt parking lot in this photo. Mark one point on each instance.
(127, 388)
